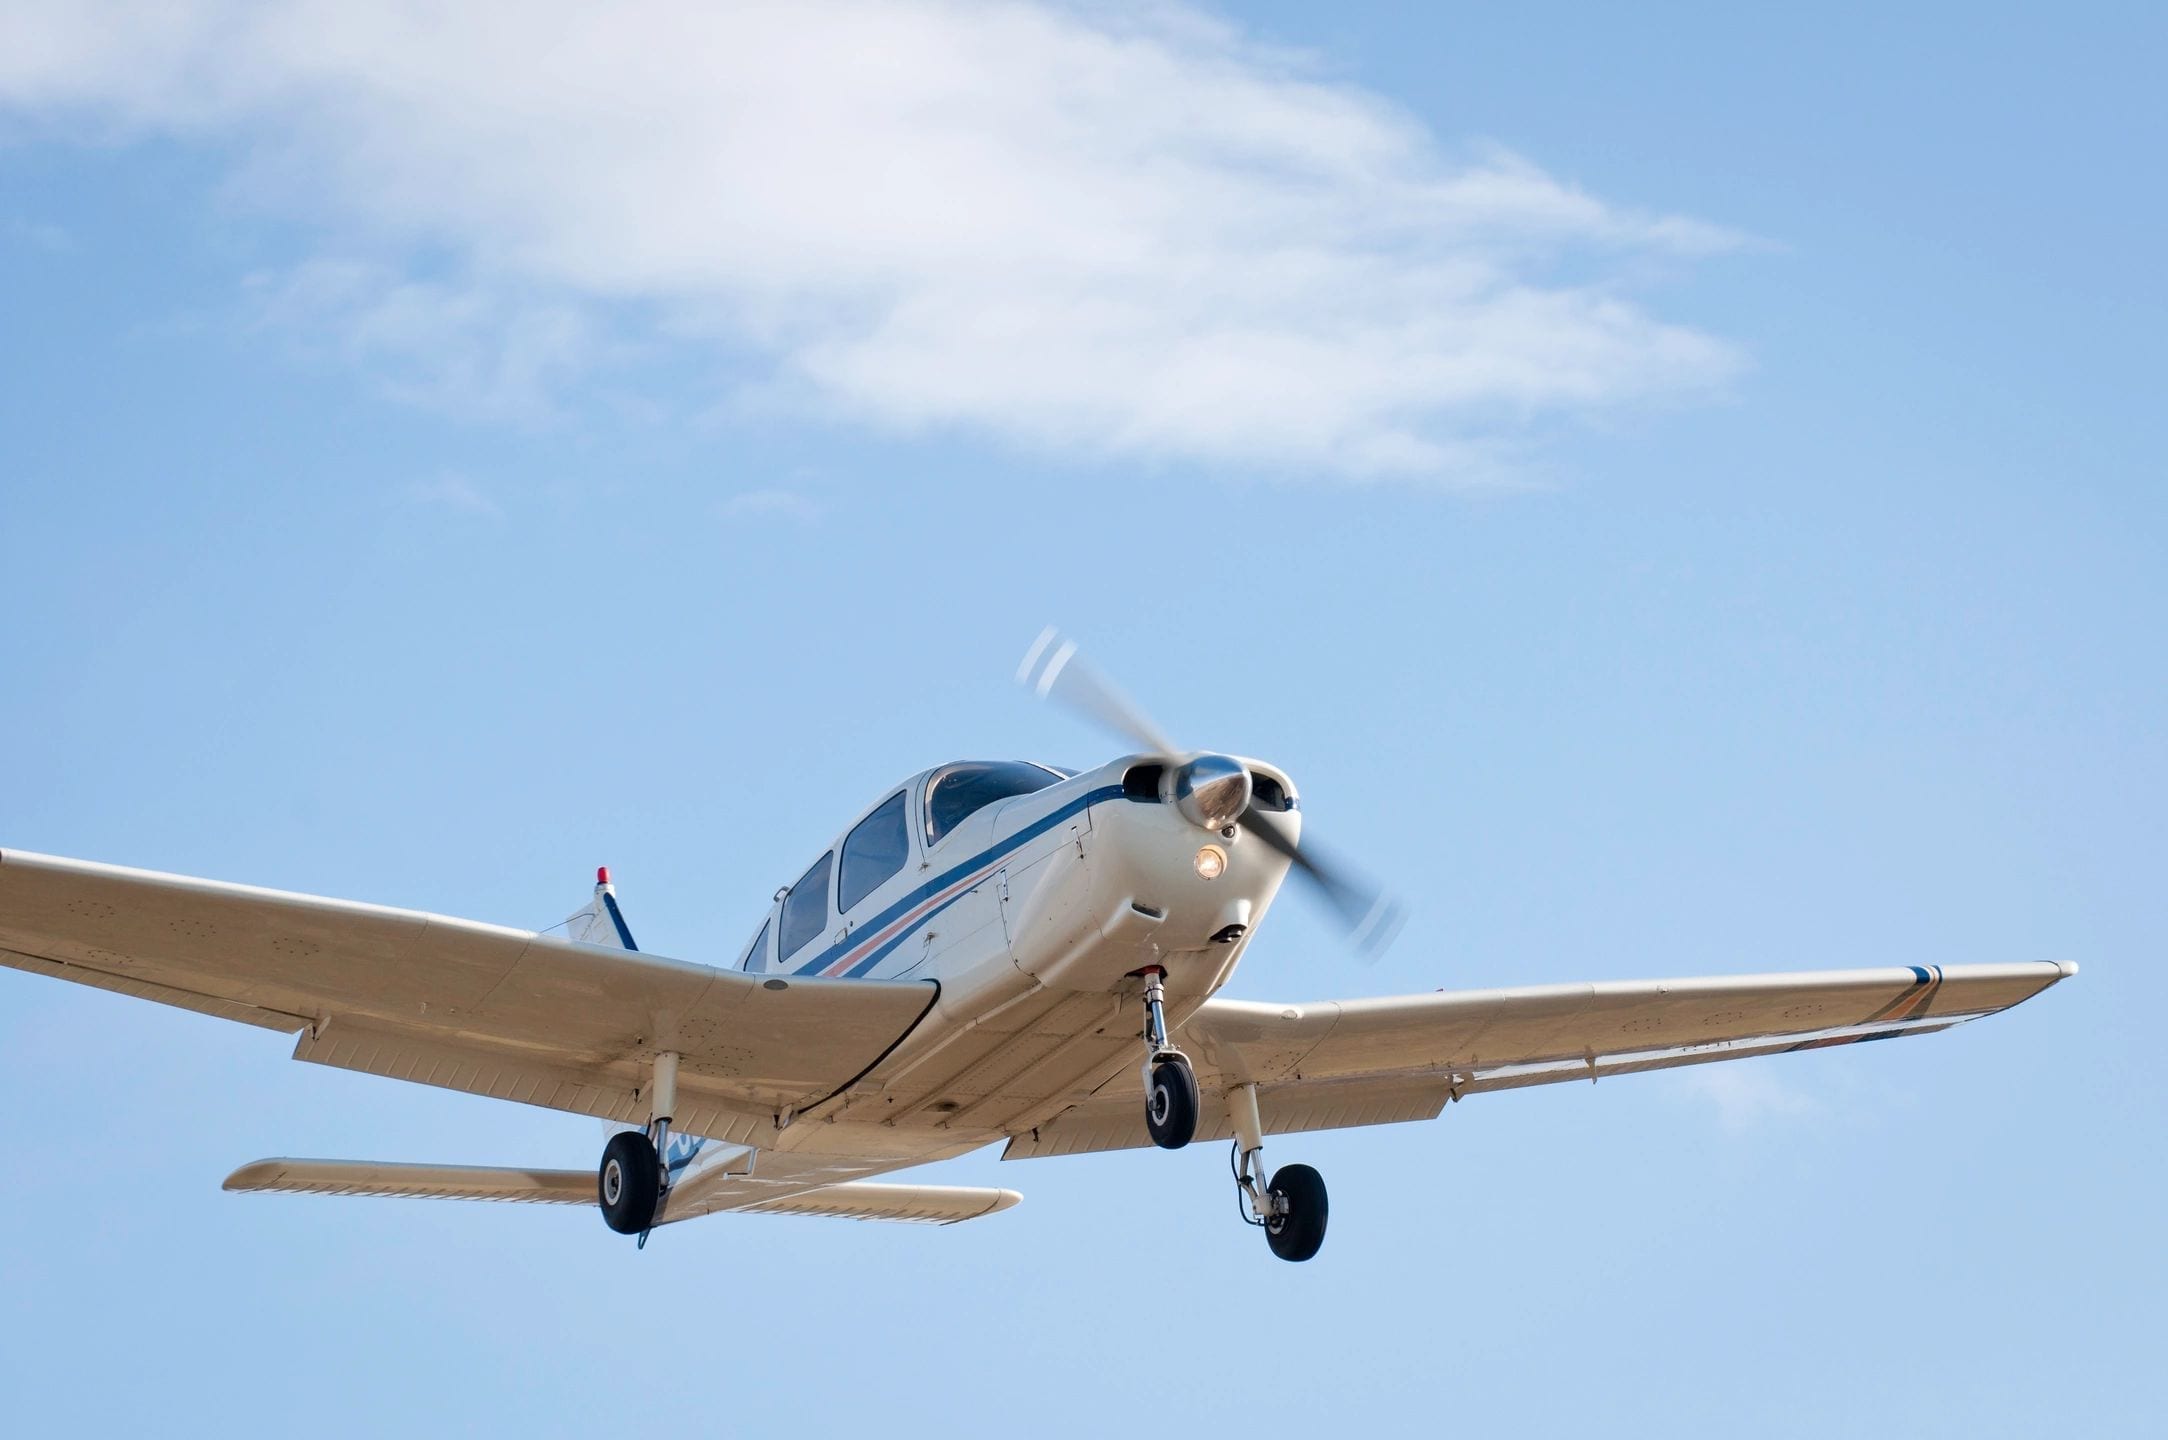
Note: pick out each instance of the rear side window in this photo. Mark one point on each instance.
(757, 957)
(961, 791)
(805, 910)
(873, 852)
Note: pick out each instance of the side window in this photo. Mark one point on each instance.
(805, 911)
(756, 959)
(873, 852)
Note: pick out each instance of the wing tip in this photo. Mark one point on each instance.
(255, 1175)
(2066, 968)
(996, 1202)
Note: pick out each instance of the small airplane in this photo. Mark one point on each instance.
(995, 952)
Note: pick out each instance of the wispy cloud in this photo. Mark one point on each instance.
(1747, 1095)
(1119, 231)
(773, 505)
(449, 490)
(40, 235)
(469, 349)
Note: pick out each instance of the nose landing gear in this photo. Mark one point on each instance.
(1170, 1083)
(1291, 1208)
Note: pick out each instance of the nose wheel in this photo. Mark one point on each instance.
(1170, 1104)
(1170, 1083)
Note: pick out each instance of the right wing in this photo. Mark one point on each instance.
(454, 1003)
(1371, 1062)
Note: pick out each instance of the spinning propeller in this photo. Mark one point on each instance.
(1213, 791)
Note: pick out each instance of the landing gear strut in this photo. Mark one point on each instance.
(1170, 1084)
(1291, 1208)
(632, 1181)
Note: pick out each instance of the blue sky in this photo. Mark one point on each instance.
(1681, 491)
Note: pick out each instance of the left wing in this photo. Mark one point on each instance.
(1372, 1062)
(493, 1011)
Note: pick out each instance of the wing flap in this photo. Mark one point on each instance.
(608, 1091)
(448, 1182)
(1118, 1124)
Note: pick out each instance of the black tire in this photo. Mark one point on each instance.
(1170, 1106)
(628, 1184)
(1297, 1233)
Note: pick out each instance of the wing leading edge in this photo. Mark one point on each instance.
(1374, 1062)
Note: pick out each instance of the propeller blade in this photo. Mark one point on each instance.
(1373, 917)
(1061, 675)
(1053, 670)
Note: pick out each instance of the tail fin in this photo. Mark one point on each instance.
(600, 922)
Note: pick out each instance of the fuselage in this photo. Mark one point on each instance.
(1031, 899)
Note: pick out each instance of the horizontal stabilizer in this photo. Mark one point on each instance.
(925, 1204)
(450, 1182)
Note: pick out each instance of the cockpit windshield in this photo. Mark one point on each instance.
(958, 792)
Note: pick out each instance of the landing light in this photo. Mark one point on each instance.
(1211, 862)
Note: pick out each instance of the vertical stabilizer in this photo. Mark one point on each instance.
(600, 922)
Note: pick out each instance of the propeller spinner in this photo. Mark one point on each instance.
(1212, 791)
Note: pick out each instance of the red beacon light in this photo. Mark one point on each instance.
(602, 874)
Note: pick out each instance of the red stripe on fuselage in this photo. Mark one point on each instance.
(904, 922)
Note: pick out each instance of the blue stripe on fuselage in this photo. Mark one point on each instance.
(999, 850)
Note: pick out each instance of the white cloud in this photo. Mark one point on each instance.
(772, 504)
(1746, 1094)
(40, 235)
(1124, 231)
(450, 490)
(476, 350)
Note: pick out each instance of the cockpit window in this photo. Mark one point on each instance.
(961, 791)
(756, 958)
(805, 909)
(873, 852)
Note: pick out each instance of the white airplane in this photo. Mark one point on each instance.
(995, 952)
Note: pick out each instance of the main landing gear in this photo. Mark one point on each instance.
(1170, 1085)
(632, 1182)
(1291, 1208)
